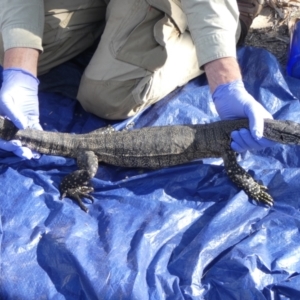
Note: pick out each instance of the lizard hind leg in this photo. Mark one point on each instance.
(245, 181)
(74, 185)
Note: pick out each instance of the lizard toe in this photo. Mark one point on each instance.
(77, 194)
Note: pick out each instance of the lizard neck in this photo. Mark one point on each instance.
(53, 143)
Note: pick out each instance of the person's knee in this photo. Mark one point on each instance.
(111, 100)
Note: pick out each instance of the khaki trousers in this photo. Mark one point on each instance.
(145, 51)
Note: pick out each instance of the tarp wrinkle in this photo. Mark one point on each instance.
(184, 232)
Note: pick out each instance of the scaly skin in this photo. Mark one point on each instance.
(150, 147)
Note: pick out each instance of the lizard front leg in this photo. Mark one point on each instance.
(74, 185)
(244, 180)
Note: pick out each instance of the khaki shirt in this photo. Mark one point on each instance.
(214, 25)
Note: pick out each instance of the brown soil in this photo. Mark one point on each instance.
(270, 30)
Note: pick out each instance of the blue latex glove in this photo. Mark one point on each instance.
(232, 101)
(19, 103)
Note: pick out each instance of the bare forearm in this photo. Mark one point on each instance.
(24, 58)
(222, 71)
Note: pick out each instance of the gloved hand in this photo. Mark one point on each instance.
(232, 101)
(19, 103)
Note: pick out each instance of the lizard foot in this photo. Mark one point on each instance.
(78, 193)
(244, 180)
(257, 192)
(263, 197)
(74, 185)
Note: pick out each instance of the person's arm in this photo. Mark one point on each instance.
(19, 95)
(222, 71)
(21, 26)
(22, 23)
(233, 101)
(23, 58)
(19, 91)
(214, 27)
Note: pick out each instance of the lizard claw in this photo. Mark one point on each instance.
(259, 193)
(75, 186)
(253, 189)
(77, 194)
(263, 197)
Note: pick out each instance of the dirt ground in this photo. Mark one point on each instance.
(270, 30)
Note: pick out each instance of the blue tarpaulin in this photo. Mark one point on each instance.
(185, 232)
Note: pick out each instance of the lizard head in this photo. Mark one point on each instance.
(284, 132)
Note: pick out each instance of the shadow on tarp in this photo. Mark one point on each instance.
(184, 232)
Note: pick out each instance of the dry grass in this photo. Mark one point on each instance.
(271, 29)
